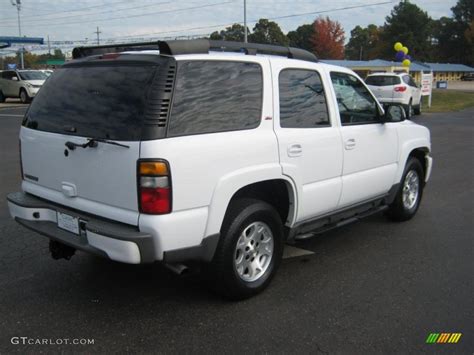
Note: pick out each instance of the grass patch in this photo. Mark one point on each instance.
(449, 100)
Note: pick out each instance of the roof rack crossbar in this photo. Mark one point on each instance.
(197, 46)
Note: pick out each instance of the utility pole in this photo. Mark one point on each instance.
(245, 21)
(49, 47)
(17, 3)
(98, 33)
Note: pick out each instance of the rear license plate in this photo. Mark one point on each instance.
(68, 223)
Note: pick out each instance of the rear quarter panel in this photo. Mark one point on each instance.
(206, 170)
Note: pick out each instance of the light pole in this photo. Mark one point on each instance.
(245, 21)
(17, 3)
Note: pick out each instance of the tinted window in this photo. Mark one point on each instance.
(410, 81)
(302, 99)
(8, 75)
(356, 104)
(100, 102)
(382, 80)
(212, 96)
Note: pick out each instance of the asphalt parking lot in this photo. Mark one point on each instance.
(370, 287)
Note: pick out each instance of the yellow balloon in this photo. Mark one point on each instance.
(398, 46)
(404, 50)
(406, 63)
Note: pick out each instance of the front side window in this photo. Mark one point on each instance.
(356, 104)
(302, 99)
(216, 96)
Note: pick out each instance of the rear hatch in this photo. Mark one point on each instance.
(106, 101)
(383, 86)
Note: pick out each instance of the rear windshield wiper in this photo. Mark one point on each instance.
(92, 143)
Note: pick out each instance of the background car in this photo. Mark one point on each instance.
(393, 88)
(23, 84)
(468, 77)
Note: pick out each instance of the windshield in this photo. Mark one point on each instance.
(93, 101)
(32, 75)
(382, 80)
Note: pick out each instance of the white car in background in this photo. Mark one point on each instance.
(23, 84)
(393, 88)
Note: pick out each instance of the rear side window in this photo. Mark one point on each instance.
(93, 101)
(382, 80)
(215, 96)
(302, 99)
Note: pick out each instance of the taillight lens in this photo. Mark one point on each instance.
(400, 88)
(154, 187)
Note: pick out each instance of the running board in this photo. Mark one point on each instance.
(321, 225)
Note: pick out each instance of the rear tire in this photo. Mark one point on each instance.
(2, 97)
(250, 249)
(24, 98)
(409, 109)
(417, 109)
(409, 193)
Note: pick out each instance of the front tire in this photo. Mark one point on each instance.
(409, 194)
(250, 249)
(2, 97)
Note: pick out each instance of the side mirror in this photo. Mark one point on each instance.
(394, 113)
(14, 78)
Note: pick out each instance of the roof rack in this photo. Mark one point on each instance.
(197, 46)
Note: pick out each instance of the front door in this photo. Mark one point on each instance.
(370, 146)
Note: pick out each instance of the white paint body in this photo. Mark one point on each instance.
(388, 94)
(208, 169)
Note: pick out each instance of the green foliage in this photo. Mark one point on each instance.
(32, 61)
(301, 37)
(268, 32)
(410, 25)
(236, 33)
(364, 43)
(454, 36)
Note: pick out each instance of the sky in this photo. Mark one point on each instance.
(128, 20)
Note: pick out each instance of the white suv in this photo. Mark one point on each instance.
(23, 84)
(391, 88)
(211, 152)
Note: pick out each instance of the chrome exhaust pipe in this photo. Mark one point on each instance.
(178, 269)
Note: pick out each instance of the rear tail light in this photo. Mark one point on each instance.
(400, 88)
(154, 187)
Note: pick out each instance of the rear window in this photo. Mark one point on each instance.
(382, 80)
(93, 101)
(215, 96)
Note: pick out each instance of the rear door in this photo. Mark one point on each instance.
(309, 139)
(75, 105)
(414, 88)
(8, 84)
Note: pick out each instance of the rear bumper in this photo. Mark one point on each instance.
(113, 240)
(394, 101)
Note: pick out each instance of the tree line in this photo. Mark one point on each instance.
(448, 39)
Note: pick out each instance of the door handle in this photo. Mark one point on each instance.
(350, 144)
(295, 150)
